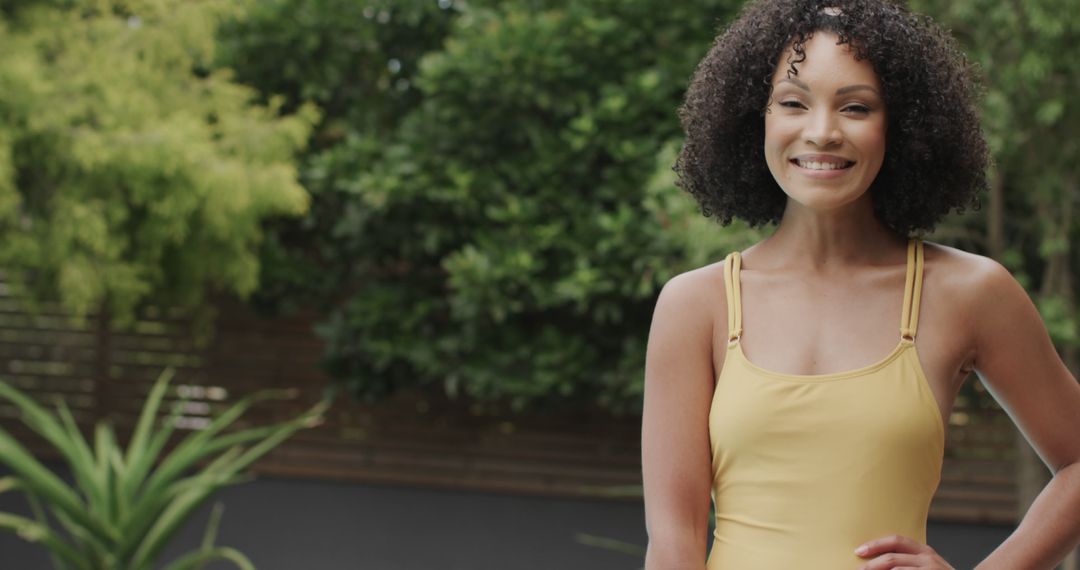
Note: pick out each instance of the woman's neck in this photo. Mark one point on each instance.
(823, 241)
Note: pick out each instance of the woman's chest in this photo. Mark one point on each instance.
(794, 329)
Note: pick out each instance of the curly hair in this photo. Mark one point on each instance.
(936, 157)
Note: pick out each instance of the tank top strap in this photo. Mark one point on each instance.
(732, 263)
(909, 318)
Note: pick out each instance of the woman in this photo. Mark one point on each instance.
(805, 383)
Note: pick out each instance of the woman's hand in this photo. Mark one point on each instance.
(900, 553)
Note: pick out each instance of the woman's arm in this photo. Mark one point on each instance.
(675, 423)
(1020, 367)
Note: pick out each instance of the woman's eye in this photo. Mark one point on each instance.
(861, 109)
(791, 104)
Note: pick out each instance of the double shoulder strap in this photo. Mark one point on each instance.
(909, 317)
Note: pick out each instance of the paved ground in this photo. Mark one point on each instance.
(284, 524)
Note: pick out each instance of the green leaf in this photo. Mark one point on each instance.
(210, 534)
(138, 451)
(197, 559)
(33, 532)
(81, 465)
(104, 447)
(1050, 112)
(142, 462)
(9, 483)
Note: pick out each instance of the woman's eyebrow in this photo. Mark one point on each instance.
(851, 88)
(840, 91)
(796, 82)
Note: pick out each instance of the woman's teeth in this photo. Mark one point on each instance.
(811, 165)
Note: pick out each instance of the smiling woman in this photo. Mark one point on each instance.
(937, 155)
(776, 380)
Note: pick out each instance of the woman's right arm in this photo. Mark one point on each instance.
(675, 452)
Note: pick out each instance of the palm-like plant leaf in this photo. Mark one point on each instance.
(122, 511)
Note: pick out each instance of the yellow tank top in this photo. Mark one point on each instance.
(808, 467)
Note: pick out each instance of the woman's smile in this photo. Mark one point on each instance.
(822, 166)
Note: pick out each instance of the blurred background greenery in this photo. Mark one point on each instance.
(478, 194)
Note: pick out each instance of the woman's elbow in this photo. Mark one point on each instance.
(673, 549)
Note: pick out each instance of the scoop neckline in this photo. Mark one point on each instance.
(896, 351)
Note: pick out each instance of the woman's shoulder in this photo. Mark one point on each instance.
(695, 287)
(968, 280)
(698, 286)
(696, 299)
(969, 271)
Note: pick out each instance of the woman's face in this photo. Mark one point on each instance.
(825, 127)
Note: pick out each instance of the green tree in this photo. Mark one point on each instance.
(356, 61)
(131, 169)
(506, 236)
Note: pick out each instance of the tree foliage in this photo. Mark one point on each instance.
(506, 236)
(357, 62)
(130, 168)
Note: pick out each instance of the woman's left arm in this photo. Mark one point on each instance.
(1019, 365)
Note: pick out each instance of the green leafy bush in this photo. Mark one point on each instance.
(129, 170)
(502, 232)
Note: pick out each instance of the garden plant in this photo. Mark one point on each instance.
(126, 505)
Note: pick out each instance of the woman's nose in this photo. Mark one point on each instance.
(822, 129)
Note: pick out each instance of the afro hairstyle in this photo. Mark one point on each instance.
(936, 156)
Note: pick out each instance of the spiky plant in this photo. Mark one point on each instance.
(123, 510)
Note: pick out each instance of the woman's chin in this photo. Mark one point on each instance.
(823, 199)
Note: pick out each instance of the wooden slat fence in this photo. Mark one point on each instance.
(417, 438)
